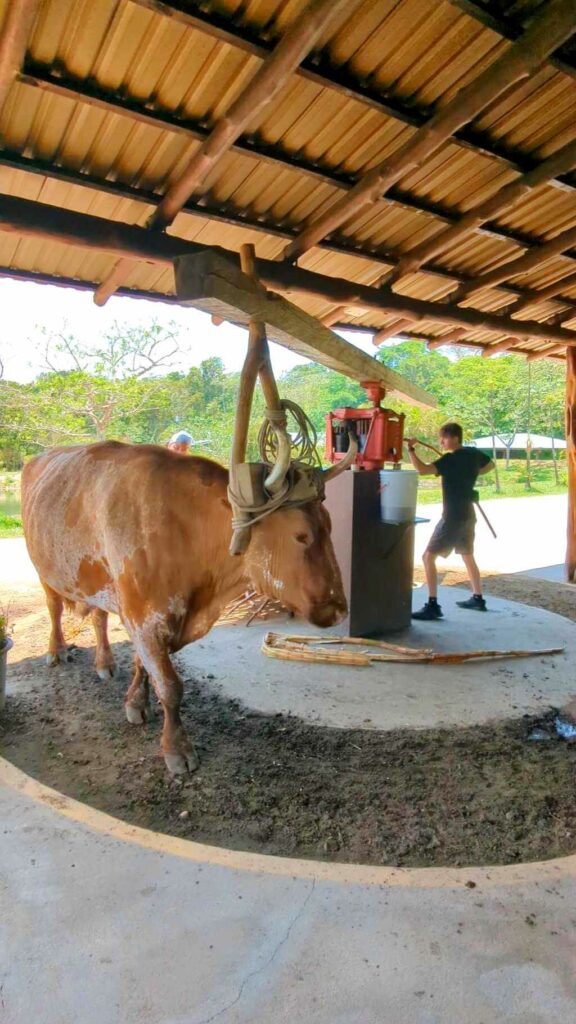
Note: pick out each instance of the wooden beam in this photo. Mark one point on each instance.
(451, 338)
(536, 296)
(339, 79)
(542, 353)
(555, 247)
(509, 29)
(213, 283)
(504, 199)
(333, 317)
(14, 34)
(571, 463)
(238, 218)
(262, 89)
(501, 346)
(39, 220)
(545, 33)
(392, 330)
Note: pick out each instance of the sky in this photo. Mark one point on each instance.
(25, 307)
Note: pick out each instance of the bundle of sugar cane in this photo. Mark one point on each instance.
(305, 648)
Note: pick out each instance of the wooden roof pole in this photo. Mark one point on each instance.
(545, 34)
(555, 247)
(334, 316)
(521, 265)
(268, 81)
(14, 36)
(451, 338)
(535, 296)
(571, 463)
(505, 198)
(394, 329)
(39, 220)
(501, 346)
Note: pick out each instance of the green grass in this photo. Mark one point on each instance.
(512, 482)
(10, 526)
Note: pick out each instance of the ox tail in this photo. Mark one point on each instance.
(78, 608)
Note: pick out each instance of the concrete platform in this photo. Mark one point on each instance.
(392, 696)
(103, 923)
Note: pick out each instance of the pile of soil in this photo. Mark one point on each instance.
(276, 785)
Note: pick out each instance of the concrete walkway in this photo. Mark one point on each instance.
(531, 535)
(107, 924)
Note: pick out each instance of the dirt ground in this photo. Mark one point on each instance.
(276, 785)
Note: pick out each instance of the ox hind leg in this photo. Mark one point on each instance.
(179, 753)
(57, 649)
(104, 656)
(137, 702)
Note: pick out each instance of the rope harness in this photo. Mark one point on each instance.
(304, 481)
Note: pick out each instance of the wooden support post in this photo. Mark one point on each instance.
(571, 463)
(544, 34)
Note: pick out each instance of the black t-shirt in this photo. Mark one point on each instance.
(459, 470)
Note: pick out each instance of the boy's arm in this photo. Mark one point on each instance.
(424, 468)
(486, 468)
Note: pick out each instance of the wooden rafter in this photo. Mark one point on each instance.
(535, 296)
(40, 77)
(555, 247)
(39, 220)
(509, 29)
(548, 31)
(339, 79)
(266, 84)
(228, 215)
(14, 34)
(504, 199)
(392, 330)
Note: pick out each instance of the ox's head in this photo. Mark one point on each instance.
(289, 553)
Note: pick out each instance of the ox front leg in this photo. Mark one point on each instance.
(57, 649)
(179, 753)
(137, 703)
(104, 656)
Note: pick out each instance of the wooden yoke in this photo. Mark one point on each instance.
(256, 365)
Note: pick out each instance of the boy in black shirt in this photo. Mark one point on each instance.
(459, 468)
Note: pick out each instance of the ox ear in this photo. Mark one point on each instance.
(348, 459)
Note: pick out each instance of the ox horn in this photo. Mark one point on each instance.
(348, 459)
(275, 479)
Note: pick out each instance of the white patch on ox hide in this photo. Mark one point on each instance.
(177, 606)
(147, 636)
(264, 565)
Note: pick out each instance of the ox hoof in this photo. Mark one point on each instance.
(182, 764)
(105, 674)
(136, 716)
(52, 660)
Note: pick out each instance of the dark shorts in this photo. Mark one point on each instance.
(453, 535)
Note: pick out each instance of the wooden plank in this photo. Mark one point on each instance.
(16, 28)
(216, 285)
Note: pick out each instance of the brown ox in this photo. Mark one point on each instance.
(144, 532)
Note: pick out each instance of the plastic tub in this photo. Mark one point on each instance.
(398, 493)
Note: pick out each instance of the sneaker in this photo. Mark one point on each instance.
(475, 604)
(428, 613)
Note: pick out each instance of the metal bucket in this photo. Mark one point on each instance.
(3, 664)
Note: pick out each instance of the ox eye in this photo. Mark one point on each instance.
(302, 538)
